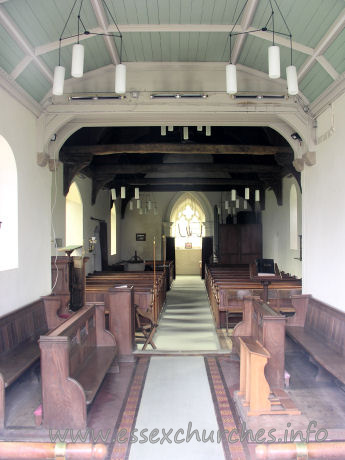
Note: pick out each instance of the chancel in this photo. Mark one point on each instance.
(160, 164)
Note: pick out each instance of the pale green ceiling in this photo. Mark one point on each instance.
(40, 22)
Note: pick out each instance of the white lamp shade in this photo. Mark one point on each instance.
(120, 79)
(123, 192)
(170, 128)
(292, 82)
(246, 193)
(59, 80)
(237, 203)
(77, 61)
(136, 193)
(218, 209)
(199, 128)
(226, 204)
(185, 133)
(138, 204)
(257, 195)
(113, 194)
(231, 79)
(233, 194)
(274, 62)
(245, 205)
(163, 130)
(208, 131)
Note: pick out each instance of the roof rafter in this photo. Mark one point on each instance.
(323, 44)
(19, 38)
(248, 16)
(98, 9)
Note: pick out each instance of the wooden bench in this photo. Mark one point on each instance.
(320, 330)
(262, 323)
(19, 333)
(260, 341)
(75, 358)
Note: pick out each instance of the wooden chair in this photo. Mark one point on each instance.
(146, 325)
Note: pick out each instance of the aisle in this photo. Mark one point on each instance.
(187, 323)
(176, 395)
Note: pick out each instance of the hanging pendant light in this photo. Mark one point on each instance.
(292, 81)
(113, 194)
(274, 61)
(136, 193)
(120, 79)
(257, 195)
(231, 79)
(77, 69)
(185, 133)
(246, 193)
(123, 192)
(138, 204)
(59, 80)
(233, 195)
(237, 204)
(226, 204)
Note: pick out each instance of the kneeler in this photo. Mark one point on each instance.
(148, 328)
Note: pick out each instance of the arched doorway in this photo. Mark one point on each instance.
(188, 228)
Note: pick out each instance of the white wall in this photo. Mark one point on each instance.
(101, 210)
(324, 213)
(276, 230)
(31, 279)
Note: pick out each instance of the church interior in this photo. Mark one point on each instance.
(170, 266)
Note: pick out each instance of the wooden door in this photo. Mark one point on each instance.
(170, 251)
(206, 253)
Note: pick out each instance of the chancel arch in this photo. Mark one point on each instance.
(8, 207)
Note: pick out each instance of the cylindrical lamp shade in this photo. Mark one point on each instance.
(185, 133)
(237, 203)
(218, 210)
(123, 192)
(233, 194)
(274, 62)
(292, 82)
(59, 80)
(257, 195)
(246, 193)
(113, 194)
(226, 204)
(77, 61)
(136, 193)
(163, 130)
(231, 79)
(138, 204)
(245, 205)
(120, 79)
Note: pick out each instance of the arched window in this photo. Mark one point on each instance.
(113, 230)
(8, 207)
(293, 218)
(74, 217)
(188, 224)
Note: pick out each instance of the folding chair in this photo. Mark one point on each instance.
(148, 327)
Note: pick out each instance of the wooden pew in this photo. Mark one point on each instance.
(320, 330)
(19, 332)
(260, 341)
(262, 323)
(227, 285)
(75, 358)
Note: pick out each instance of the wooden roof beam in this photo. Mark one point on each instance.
(166, 148)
